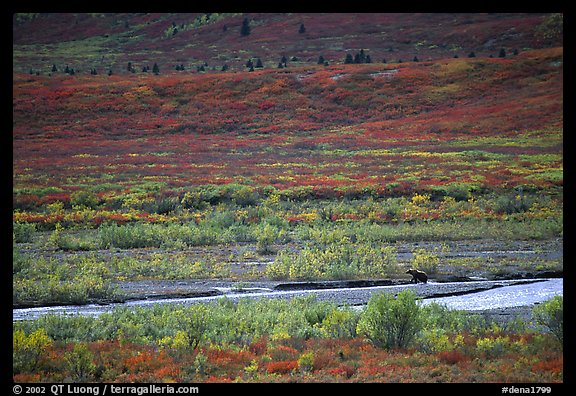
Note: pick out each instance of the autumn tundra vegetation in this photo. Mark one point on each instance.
(190, 170)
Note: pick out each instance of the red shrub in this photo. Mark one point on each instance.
(283, 367)
(259, 346)
(324, 358)
(229, 358)
(283, 352)
(26, 377)
(555, 366)
(343, 370)
(451, 357)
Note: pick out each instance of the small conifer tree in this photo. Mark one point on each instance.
(245, 29)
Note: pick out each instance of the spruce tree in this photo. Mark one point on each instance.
(155, 69)
(349, 59)
(245, 29)
(259, 63)
(502, 53)
(302, 29)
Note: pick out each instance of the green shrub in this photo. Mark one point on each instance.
(194, 322)
(219, 219)
(202, 197)
(66, 328)
(306, 362)
(162, 205)
(242, 195)
(494, 347)
(129, 236)
(23, 232)
(334, 261)
(550, 314)
(340, 323)
(27, 350)
(425, 261)
(77, 279)
(391, 322)
(80, 363)
(512, 204)
(63, 241)
(201, 363)
(266, 235)
(84, 199)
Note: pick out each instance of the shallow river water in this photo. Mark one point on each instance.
(504, 297)
(471, 296)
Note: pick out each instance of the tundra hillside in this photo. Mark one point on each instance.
(190, 148)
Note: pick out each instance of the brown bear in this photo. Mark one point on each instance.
(417, 276)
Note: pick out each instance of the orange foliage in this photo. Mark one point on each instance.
(554, 366)
(149, 365)
(282, 367)
(452, 357)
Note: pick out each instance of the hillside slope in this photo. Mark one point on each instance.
(110, 41)
(446, 126)
(490, 123)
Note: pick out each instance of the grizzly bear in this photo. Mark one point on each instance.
(417, 276)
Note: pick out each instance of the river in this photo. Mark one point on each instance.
(504, 297)
(470, 296)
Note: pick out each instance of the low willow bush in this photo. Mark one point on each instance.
(550, 314)
(173, 235)
(224, 322)
(23, 232)
(335, 261)
(391, 322)
(78, 280)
